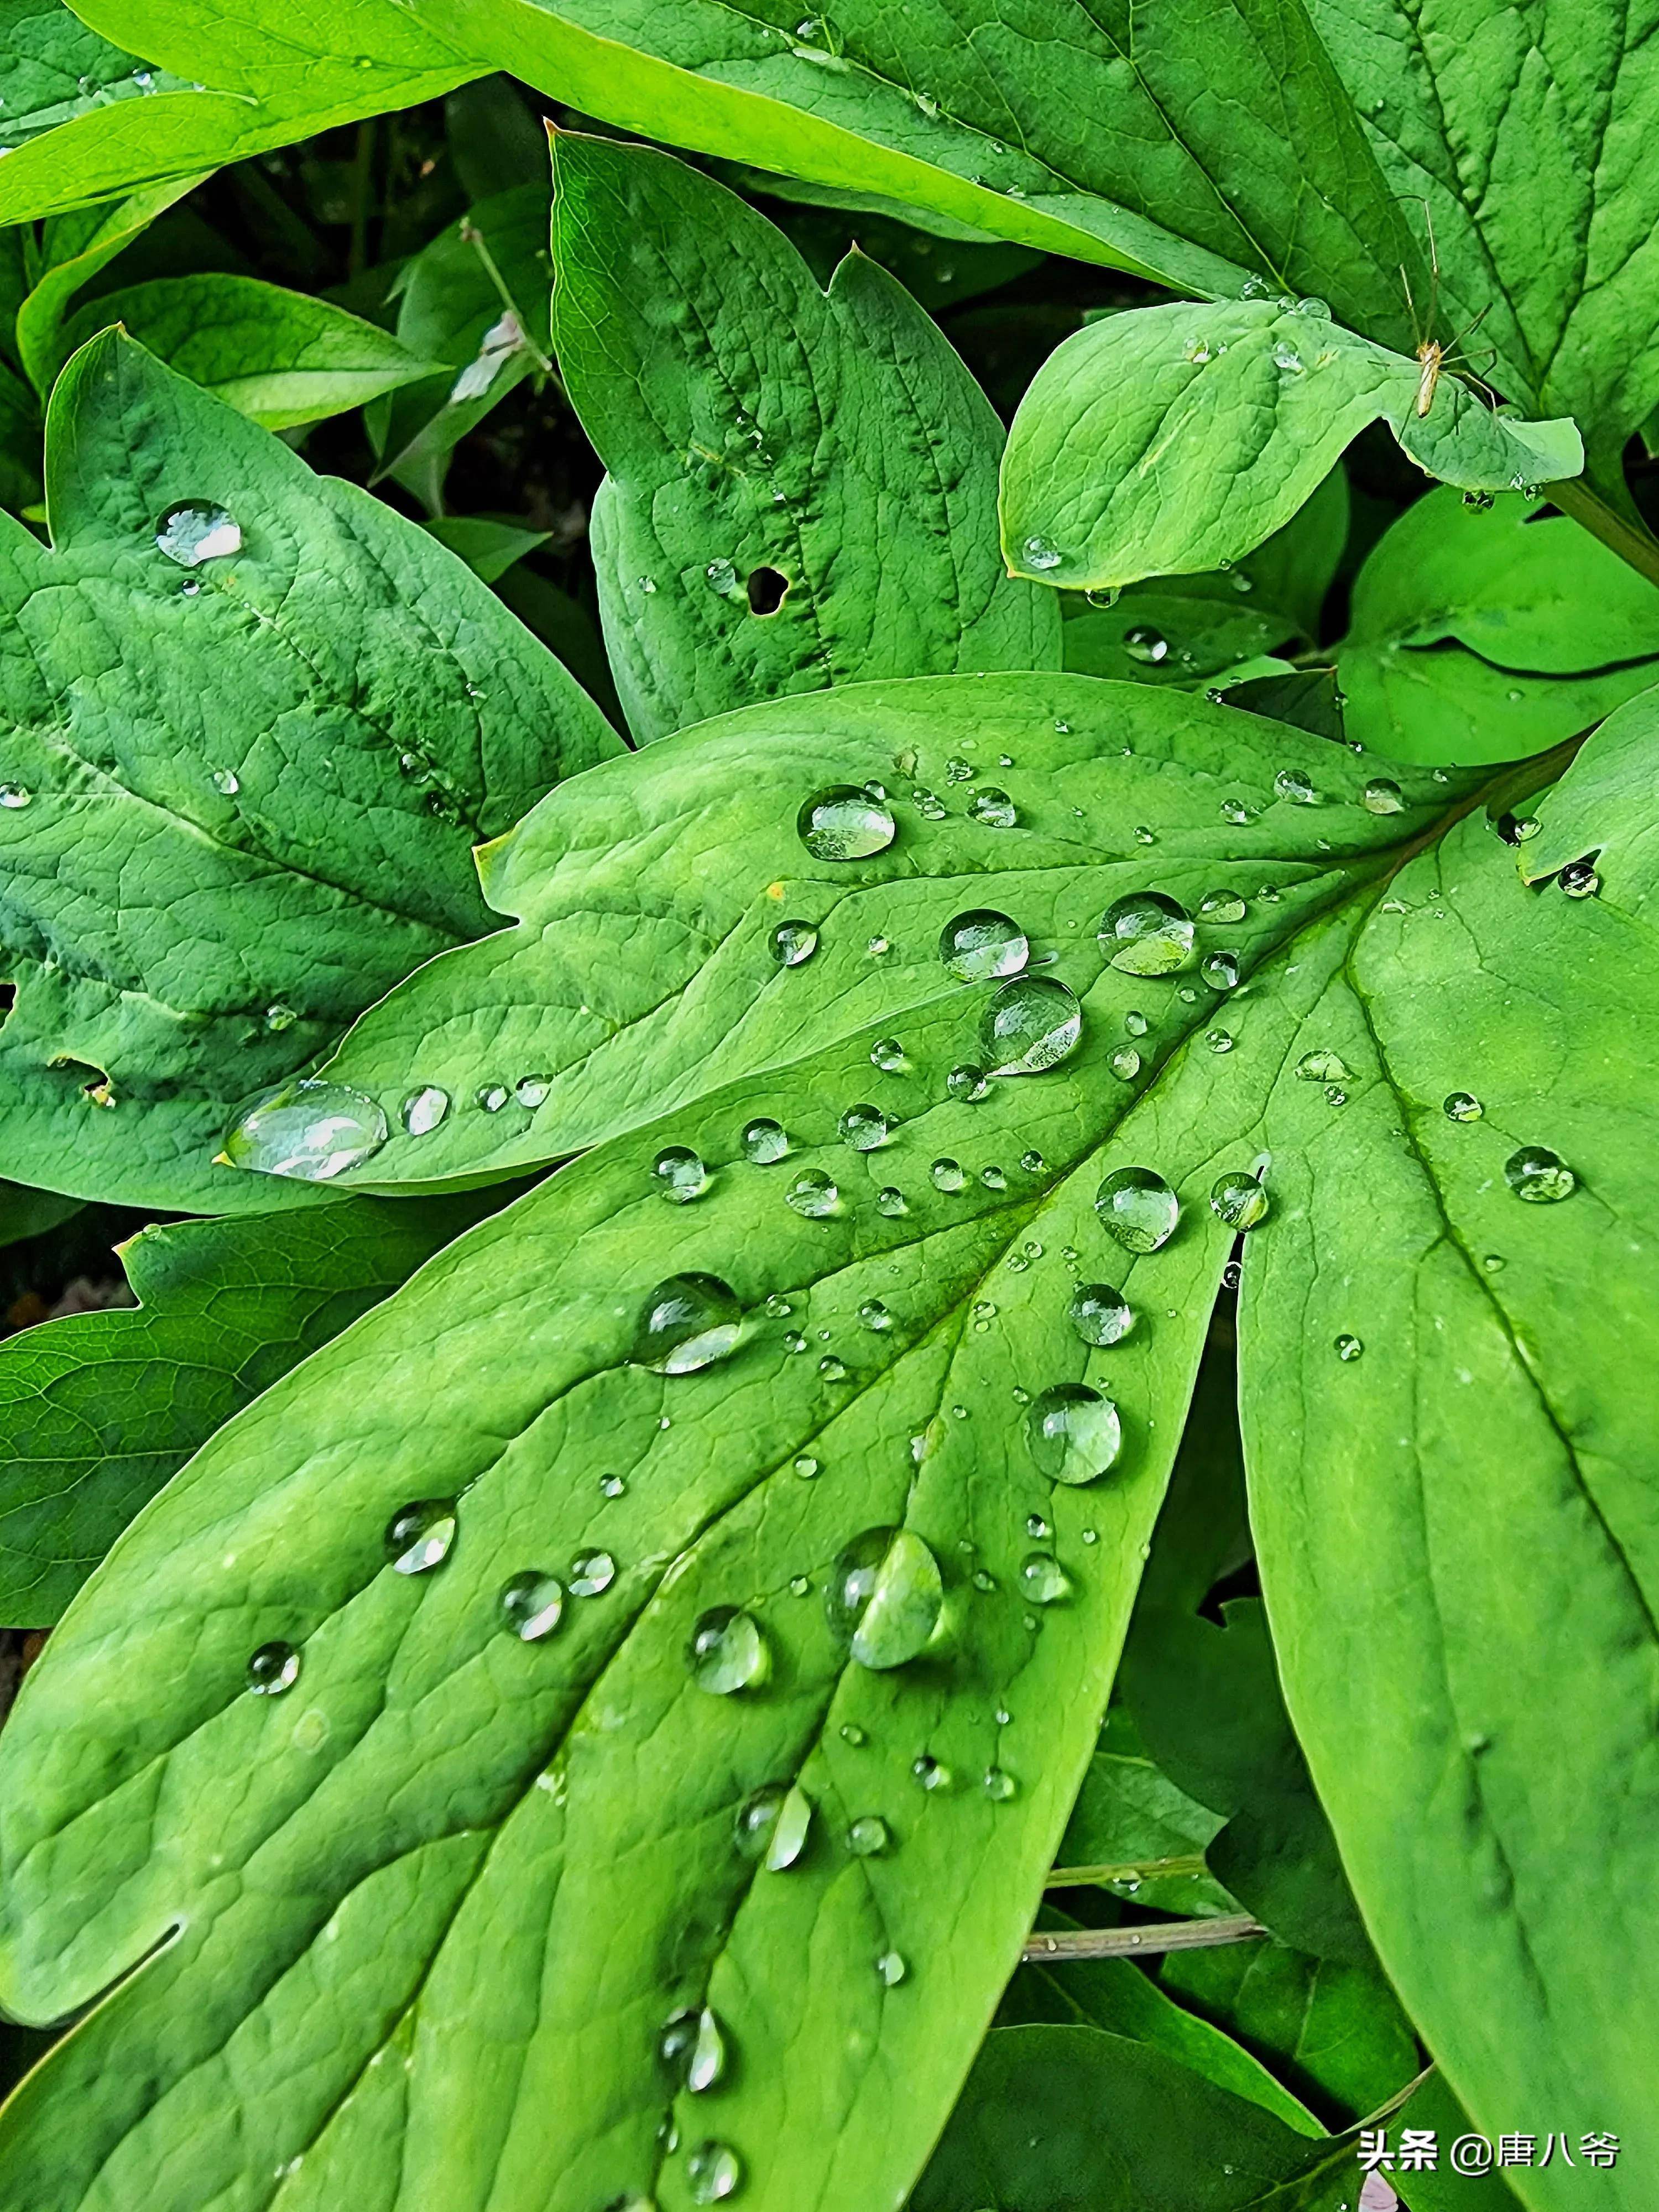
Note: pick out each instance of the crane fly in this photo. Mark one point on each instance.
(1433, 358)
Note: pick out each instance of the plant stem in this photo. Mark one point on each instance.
(1090, 1877)
(1139, 1942)
(1621, 535)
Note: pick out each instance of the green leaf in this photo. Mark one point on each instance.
(24, 1213)
(489, 548)
(1157, 634)
(1054, 2118)
(281, 358)
(100, 1409)
(221, 858)
(74, 248)
(1486, 635)
(1599, 810)
(802, 486)
(1138, 1833)
(1207, 427)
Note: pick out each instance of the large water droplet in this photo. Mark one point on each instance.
(1381, 795)
(1041, 555)
(1138, 1207)
(1579, 880)
(887, 1055)
(681, 1173)
(865, 1128)
(13, 797)
(532, 1604)
(422, 1110)
(992, 808)
(1074, 1433)
(764, 1142)
(1099, 1313)
(310, 1130)
(1239, 1200)
(532, 1090)
(727, 1651)
(691, 2050)
(999, 1784)
(1043, 1580)
(844, 822)
(1030, 1024)
(793, 942)
(983, 944)
(772, 1826)
(196, 530)
(1221, 906)
(713, 2172)
(874, 1315)
(273, 1668)
(1147, 934)
(869, 1836)
(813, 1194)
(687, 1322)
(886, 1595)
(1539, 1175)
(1143, 643)
(1322, 1067)
(1293, 784)
(947, 1175)
(419, 1536)
(1462, 1106)
(1220, 970)
(592, 1574)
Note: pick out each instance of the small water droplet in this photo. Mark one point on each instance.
(1539, 1175)
(1219, 1040)
(727, 1651)
(968, 1082)
(13, 797)
(691, 2050)
(1100, 1314)
(1043, 1580)
(1146, 934)
(419, 1536)
(422, 1110)
(869, 1836)
(681, 1173)
(1462, 1106)
(1286, 358)
(1220, 970)
(1221, 906)
(890, 1200)
(613, 1485)
(1238, 812)
(1030, 1024)
(1238, 1200)
(1138, 1207)
(832, 1368)
(1143, 643)
(865, 1128)
(764, 1142)
(279, 1016)
(884, 1596)
(1348, 1347)
(1579, 880)
(1293, 784)
(311, 1130)
(687, 1322)
(491, 1097)
(1074, 1433)
(532, 1090)
(713, 2172)
(772, 1826)
(197, 531)
(931, 1772)
(792, 942)
(891, 1968)
(983, 944)
(999, 1784)
(592, 1574)
(843, 823)
(994, 809)
(851, 1733)
(1322, 1067)
(226, 782)
(273, 1668)
(1381, 795)
(993, 1177)
(874, 1315)
(720, 576)
(532, 1604)
(947, 1175)
(814, 1194)
(1041, 555)
(887, 1055)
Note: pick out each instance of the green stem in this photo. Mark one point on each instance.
(1619, 532)
(475, 238)
(1141, 1942)
(1094, 1877)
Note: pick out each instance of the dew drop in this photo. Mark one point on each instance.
(999, 1784)
(892, 1969)
(279, 1017)
(196, 530)
(1579, 880)
(806, 1467)
(727, 1651)
(1031, 1025)
(687, 1322)
(1220, 971)
(844, 822)
(1238, 1200)
(492, 1096)
(1041, 555)
(419, 1536)
(947, 1175)
(981, 944)
(691, 2050)
(890, 1200)
(814, 1194)
(792, 942)
(1148, 645)
(532, 1604)
(720, 576)
(994, 809)
(1219, 1040)
(681, 1173)
(887, 1055)
(764, 1142)
(713, 2172)
(1073, 1432)
(884, 1596)
(968, 1082)
(931, 1772)
(13, 797)
(592, 1574)
(865, 1128)
(532, 1090)
(1381, 795)
(1125, 1063)
(874, 1315)
(1539, 1175)
(273, 1668)
(1138, 1207)
(1348, 1347)
(1100, 1314)
(422, 1110)
(1043, 1580)
(869, 1836)
(311, 1130)
(1293, 784)
(1221, 906)
(226, 782)
(772, 1826)
(1146, 934)
(1322, 1067)
(1462, 1106)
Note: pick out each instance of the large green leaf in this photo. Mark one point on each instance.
(802, 486)
(241, 790)
(279, 357)
(100, 1408)
(1489, 635)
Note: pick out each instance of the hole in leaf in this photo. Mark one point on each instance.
(766, 589)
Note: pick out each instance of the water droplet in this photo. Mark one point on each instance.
(793, 942)
(1335, 1094)
(532, 1090)
(764, 1142)
(688, 1322)
(1138, 1207)
(813, 1194)
(713, 2172)
(1539, 1175)
(843, 823)
(874, 1315)
(13, 797)
(1238, 812)
(947, 1175)
(983, 944)
(1125, 1063)
(1074, 1433)
(892, 1969)
(1381, 795)
(1033, 1163)
(1041, 555)
(311, 1130)
(1043, 1580)
(1322, 1067)
(1293, 784)
(1463, 1106)
(885, 1596)
(682, 1173)
(1579, 880)
(1348, 1347)
(850, 1733)
(806, 1467)
(1221, 906)
(532, 1604)
(1099, 1313)
(196, 530)
(890, 1200)
(422, 1110)
(1029, 1025)
(1287, 357)
(1146, 645)
(1219, 1040)
(1239, 1200)
(720, 576)
(999, 1784)
(1146, 934)
(994, 809)
(1220, 971)
(869, 1836)
(772, 1824)
(887, 1055)
(279, 1016)
(226, 782)
(592, 1574)
(273, 1668)
(727, 1651)
(419, 1536)
(492, 1096)
(865, 1128)
(691, 2050)
(931, 1772)
(613, 1485)
(968, 1082)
